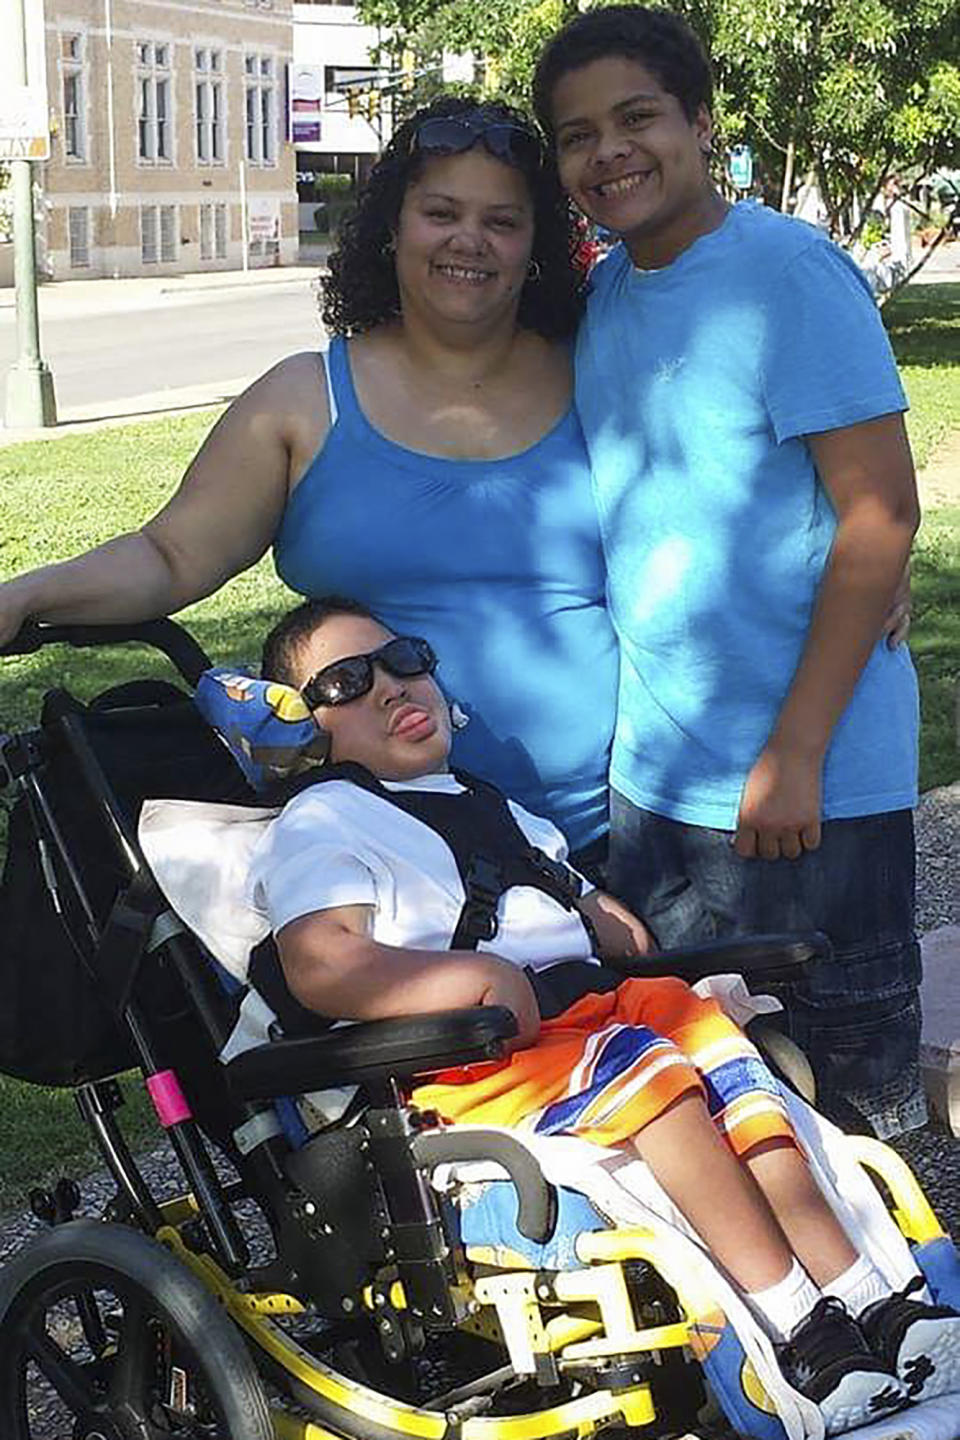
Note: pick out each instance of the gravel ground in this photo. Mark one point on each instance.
(933, 1155)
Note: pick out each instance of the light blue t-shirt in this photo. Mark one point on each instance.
(498, 563)
(695, 384)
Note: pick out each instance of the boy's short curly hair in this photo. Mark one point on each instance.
(657, 39)
(361, 289)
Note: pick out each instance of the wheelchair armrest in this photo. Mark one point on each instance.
(371, 1050)
(760, 958)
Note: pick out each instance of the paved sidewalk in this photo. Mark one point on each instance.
(67, 299)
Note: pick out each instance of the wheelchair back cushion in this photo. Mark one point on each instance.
(267, 726)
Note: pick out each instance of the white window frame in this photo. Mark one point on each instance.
(209, 106)
(260, 145)
(78, 218)
(169, 232)
(149, 235)
(154, 99)
(154, 220)
(221, 229)
(213, 230)
(73, 68)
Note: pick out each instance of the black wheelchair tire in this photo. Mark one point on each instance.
(83, 1255)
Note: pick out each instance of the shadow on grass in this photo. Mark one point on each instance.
(923, 323)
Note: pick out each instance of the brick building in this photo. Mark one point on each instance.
(171, 125)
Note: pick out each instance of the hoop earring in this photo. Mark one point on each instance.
(459, 719)
(534, 271)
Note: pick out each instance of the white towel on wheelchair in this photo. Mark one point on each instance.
(623, 1189)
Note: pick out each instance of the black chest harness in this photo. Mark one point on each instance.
(492, 855)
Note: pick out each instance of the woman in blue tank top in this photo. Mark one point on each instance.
(434, 468)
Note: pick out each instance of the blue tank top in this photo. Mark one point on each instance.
(498, 564)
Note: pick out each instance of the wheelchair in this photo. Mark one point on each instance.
(311, 1285)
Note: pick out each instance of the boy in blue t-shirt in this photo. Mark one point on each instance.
(757, 504)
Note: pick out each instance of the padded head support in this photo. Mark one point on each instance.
(267, 726)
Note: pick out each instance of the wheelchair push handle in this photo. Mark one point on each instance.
(536, 1198)
(171, 639)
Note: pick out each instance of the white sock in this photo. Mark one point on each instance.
(859, 1286)
(787, 1304)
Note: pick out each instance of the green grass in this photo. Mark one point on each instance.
(924, 326)
(935, 643)
(42, 1136)
(60, 496)
(923, 322)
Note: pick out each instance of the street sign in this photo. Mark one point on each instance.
(24, 117)
(740, 166)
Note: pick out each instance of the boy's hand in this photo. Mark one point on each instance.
(780, 806)
(508, 985)
(896, 627)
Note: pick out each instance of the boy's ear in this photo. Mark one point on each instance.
(703, 124)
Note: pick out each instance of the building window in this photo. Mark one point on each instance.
(155, 81)
(213, 232)
(208, 104)
(158, 234)
(71, 71)
(260, 113)
(78, 231)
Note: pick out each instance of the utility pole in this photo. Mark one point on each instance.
(30, 397)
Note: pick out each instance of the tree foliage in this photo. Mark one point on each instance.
(848, 91)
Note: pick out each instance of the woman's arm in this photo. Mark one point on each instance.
(868, 473)
(221, 519)
(620, 934)
(333, 966)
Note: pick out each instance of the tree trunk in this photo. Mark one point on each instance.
(788, 165)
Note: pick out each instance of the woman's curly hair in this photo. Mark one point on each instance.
(361, 289)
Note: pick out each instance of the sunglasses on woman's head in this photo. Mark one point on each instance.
(344, 680)
(454, 134)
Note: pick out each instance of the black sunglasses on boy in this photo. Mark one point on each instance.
(344, 680)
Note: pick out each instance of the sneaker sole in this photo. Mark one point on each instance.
(854, 1402)
(936, 1342)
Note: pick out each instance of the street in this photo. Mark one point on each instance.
(162, 348)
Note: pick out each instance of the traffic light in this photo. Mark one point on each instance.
(373, 105)
(353, 103)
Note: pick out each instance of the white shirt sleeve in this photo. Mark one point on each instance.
(309, 860)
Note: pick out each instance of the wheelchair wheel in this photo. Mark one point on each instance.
(105, 1336)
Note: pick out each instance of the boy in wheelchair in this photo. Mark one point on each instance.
(357, 879)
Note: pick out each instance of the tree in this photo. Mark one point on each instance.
(849, 92)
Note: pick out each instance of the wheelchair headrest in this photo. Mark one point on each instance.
(267, 726)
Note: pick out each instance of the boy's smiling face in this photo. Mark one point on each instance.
(631, 159)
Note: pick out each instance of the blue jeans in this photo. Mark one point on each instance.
(857, 1017)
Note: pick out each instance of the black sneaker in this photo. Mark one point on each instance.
(919, 1342)
(828, 1359)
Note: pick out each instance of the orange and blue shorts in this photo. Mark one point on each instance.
(611, 1063)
